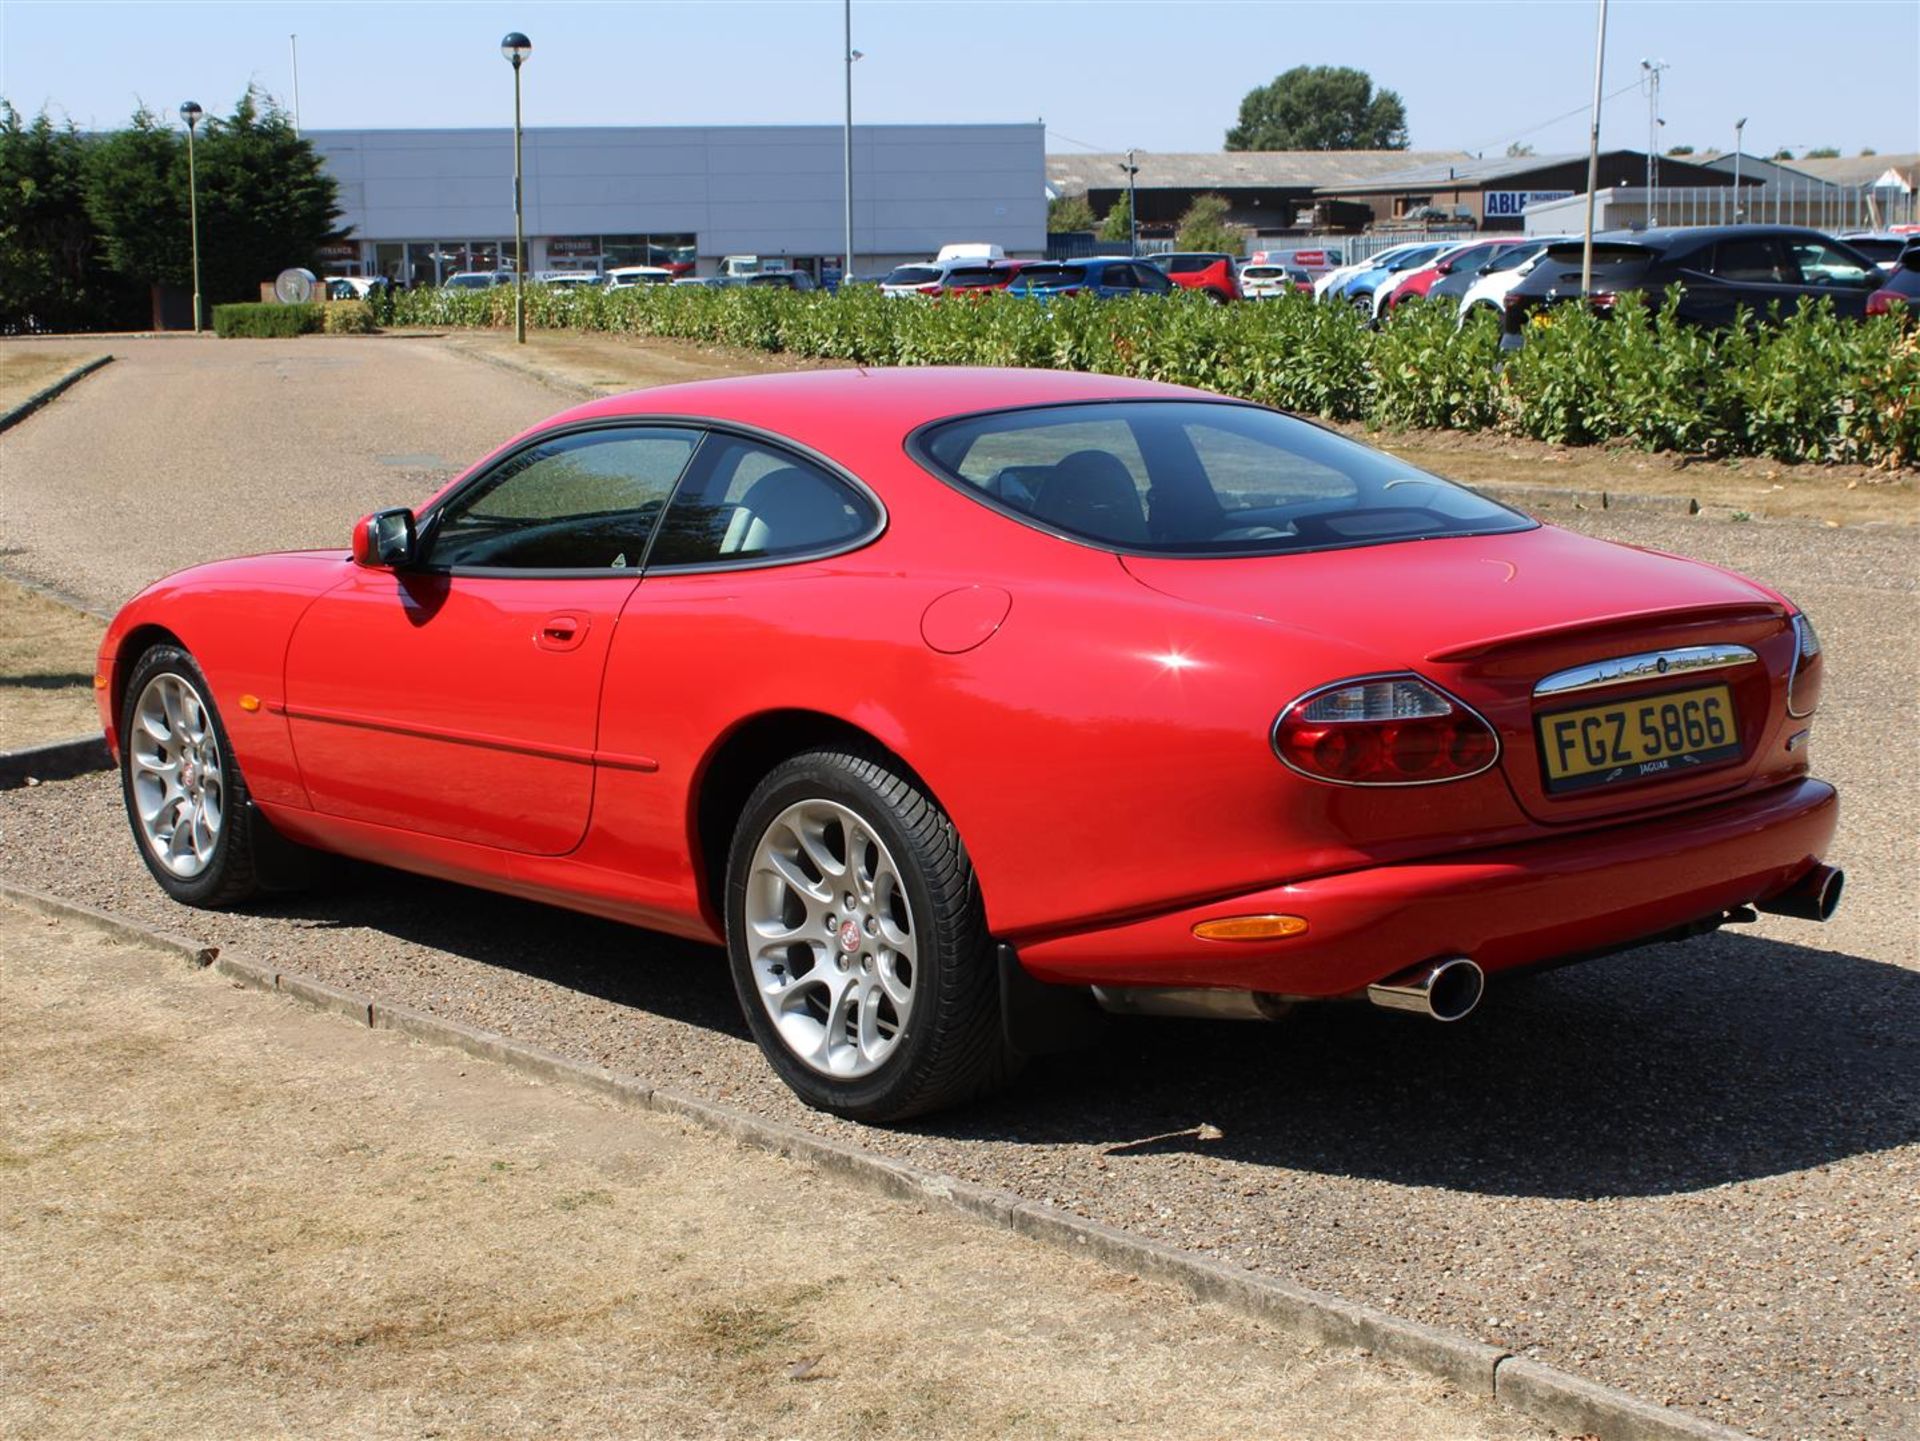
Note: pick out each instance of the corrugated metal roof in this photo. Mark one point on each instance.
(1861, 169)
(1466, 168)
(1236, 169)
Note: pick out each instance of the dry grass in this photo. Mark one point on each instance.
(608, 364)
(47, 653)
(222, 1215)
(29, 366)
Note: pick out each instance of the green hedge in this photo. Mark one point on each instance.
(256, 321)
(1810, 387)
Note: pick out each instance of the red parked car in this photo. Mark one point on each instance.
(1206, 271)
(1464, 259)
(956, 702)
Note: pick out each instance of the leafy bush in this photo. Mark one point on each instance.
(1808, 386)
(347, 317)
(256, 321)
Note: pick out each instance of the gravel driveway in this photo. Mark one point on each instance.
(1691, 1171)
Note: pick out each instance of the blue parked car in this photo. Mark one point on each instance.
(1103, 276)
(1360, 289)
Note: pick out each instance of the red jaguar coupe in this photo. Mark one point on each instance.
(956, 702)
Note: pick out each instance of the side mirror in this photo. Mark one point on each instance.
(1443, 267)
(384, 539)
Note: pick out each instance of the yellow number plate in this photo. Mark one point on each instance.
(1656, 735)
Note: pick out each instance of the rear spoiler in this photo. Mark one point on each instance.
(1622, 623)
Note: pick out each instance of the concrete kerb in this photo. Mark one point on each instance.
(54, 761)
(1554, 1398)
(579, 390)
(46, 393)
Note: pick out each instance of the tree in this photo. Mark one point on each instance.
(1821, 152)
(1205, 227)
(1118, 224)
(1067, 213)
(1680, 150)
(1320, 107)
(1519, 151)
(1868, 150)
(1781, 154)
(53, 273)
(266, 202)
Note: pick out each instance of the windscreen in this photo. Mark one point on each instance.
(1198, 478)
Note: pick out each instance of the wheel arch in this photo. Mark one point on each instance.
(743, 756)
(135, 643)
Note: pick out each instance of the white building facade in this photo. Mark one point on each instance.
(422, 204)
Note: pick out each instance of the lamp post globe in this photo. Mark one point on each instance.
(191, 112)
(516, 48)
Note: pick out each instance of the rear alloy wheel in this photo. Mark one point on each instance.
(185, 796)
(858, 943)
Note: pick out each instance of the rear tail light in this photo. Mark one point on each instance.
(1881, 302)
(1803, 683)
(1383, 731)
(1602, 299)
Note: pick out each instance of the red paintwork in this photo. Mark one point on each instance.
(1218, 279)
(1098, 728)
(1419, 281)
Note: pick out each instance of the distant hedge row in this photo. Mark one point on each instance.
(1812, 387)
(266, 321)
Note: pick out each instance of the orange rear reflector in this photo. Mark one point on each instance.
(99, 682)
(1251, 928)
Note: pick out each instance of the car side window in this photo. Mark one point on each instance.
(1823, 264)
(1152, 281)
(584, 501)
(1752, 259)
(743, 500)
(1118, 277)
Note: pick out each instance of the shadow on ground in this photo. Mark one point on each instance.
(1674, 1068)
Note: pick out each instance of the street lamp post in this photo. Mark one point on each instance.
(1739, 142)
(191, 113)
(846, 259)
(1133, 211)
(516, 48)
(1654, 122)
(1593, 152)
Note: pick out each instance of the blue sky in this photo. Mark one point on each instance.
(1160, 74)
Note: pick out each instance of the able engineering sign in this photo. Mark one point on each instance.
(1508, 204)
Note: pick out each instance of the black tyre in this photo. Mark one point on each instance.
(858, 942)
(193, 821)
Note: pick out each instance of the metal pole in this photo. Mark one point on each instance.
(519, 227)
(846, 258)
(1593, 151)
(1133, 209)
(193, 212)
(293, 48)
(1739, 142)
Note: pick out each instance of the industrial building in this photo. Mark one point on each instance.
(422, 204)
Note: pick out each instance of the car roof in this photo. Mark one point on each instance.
(819, 408)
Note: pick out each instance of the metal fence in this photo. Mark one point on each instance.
(1809, 203)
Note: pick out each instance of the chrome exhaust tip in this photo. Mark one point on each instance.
(1446, 990)
(1814, 897)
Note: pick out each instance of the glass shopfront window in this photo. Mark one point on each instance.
(673, 252)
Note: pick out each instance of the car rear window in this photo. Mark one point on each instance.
(913, 275)
(1197, 478)
(1605, 252)
(1053, 275)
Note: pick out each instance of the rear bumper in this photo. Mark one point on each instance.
(1507, 908)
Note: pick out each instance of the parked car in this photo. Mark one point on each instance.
(356, 287)
(1335, 279)
(1209, 272)
(1273, 717)
(1360, 288)
(477, 279)
(1481, 290)
(1882, 247)
(1721, 270)
(935, 277)
(1422, 279)
(1901, 292)
(626, 277)
(1264, 282)
(1105, 276)
(572, 279)
(775, 280)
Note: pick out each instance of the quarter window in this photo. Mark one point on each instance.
(746, 501)
(585, 501)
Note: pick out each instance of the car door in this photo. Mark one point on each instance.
(1115, 280)
(1826, 271)
(458, 695)
(1748, 271)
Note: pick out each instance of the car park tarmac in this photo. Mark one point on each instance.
(1689, 1171)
